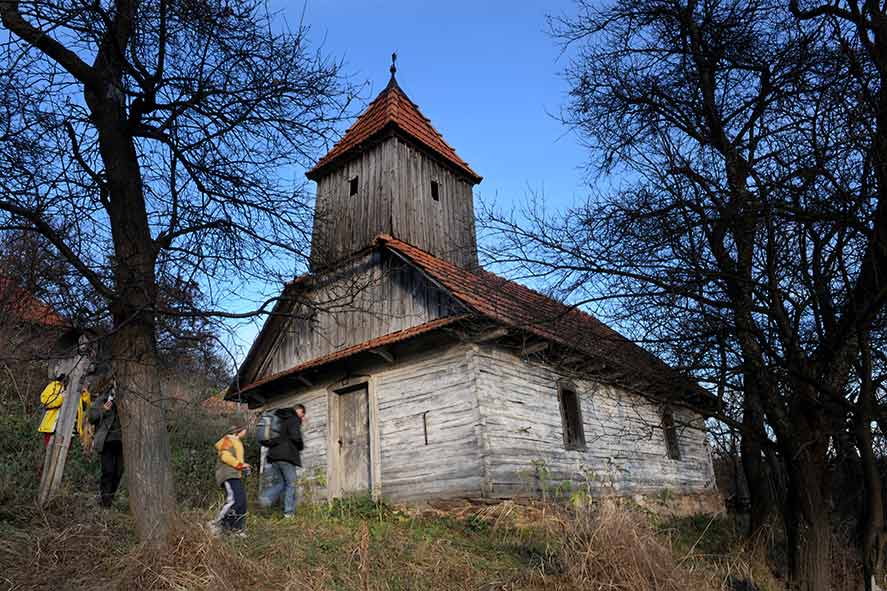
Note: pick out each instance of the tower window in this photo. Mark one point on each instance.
(571, 417)
(671, 435)
(352, 187)
(435, 190)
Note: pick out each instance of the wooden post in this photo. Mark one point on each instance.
(57, 450)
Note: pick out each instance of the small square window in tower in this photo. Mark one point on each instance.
(571, 417)
(352, 187)
(435, 191)
(671, 435)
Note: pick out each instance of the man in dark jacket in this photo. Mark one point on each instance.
(108, 441)
(285, 460)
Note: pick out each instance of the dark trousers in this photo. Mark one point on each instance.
(112, 471)
(232, 515)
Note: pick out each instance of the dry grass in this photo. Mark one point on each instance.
(502, 547)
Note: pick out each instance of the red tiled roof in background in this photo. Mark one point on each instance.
(517, 306)
(393, 108)
(19, 302)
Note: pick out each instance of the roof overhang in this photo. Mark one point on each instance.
(269, 387)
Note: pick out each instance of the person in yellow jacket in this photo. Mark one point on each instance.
(230, 470)
(51, 399)
(83, 428)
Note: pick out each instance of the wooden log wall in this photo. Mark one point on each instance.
(394, 197)
(372, 297)
(431, 394)
(625, 447)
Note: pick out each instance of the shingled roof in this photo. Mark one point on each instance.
(393, 110)
(515, 306)
(520, 307)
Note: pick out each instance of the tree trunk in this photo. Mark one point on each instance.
(145, 444)
(808, 521)
(873, 524)
(133, 343)
(753, 461)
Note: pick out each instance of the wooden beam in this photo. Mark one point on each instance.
(535, 348)
(384, 353)
(491, 335)
(305, 381)
(57, 451)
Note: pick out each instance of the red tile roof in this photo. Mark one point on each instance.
(376, 343)
(20, 303)
(520, 307)
(393, 108)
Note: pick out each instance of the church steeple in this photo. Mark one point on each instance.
(393, 173)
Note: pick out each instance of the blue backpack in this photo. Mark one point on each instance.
(269, 428)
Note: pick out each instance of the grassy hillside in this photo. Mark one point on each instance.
(353, 545)
(360, 545)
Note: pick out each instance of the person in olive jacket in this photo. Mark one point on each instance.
(230, 470)
(108, 442)
(285, 460)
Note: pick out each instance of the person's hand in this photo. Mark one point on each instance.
(247, 469)
(108, 405)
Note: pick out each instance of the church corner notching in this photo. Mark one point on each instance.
(426, 377)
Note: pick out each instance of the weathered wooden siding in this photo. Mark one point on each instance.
(314, 435)
(394, 197)
(439, 385)
(373, 296)
(625, 454)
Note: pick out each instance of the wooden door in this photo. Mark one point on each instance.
(354, 440)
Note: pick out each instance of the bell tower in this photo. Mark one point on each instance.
(393, 173)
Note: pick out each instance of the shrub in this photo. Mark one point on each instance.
(613, 548)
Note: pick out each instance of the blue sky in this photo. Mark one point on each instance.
(485, 72)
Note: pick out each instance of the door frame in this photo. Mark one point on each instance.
(334, 461)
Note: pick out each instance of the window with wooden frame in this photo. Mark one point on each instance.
(435, 190)
(352, 187)
(671, 435)
(571, 416)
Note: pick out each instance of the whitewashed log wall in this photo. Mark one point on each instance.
(625, 448)
(490, 416)
(438, 384)
(394, 197)
(374, 296)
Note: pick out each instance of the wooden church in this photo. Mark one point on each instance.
(426, 377)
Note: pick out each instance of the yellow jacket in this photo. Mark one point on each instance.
(84, 430)
(51, 399)
(230, 462)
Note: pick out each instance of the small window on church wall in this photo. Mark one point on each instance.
(435, 191)
(571, 417)
(671, 435)
(352, 187)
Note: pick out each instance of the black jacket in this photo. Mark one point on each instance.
(106, 421)
(290, 443)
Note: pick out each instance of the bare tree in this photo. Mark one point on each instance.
(747, 239)
(146, 140)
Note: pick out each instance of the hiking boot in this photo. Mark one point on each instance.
(214, 528)
(239, 534)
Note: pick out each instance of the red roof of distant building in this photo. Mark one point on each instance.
(393, 109)
(20, 303)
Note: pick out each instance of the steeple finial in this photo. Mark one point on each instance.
(393, 68)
